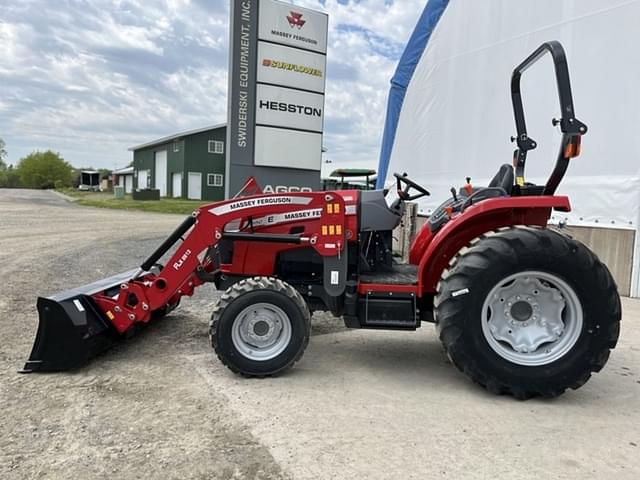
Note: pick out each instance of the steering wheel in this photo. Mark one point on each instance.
(403, 193)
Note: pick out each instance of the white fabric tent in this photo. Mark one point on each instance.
(456, 118)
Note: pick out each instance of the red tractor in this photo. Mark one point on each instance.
(520, 308)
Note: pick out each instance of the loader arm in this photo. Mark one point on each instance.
(77, 324)
(144, 295)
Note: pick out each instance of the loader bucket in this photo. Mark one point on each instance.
(72, 329)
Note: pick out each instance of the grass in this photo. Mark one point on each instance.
(107, 200)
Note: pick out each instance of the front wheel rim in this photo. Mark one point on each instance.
(261, 332)
(532, 318)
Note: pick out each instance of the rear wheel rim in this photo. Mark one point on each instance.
(532, 318)
(261, 331)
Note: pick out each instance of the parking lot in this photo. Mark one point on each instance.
(359, 404)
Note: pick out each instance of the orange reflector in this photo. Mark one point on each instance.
(324, 229)
(336, 208)
(573, 147)
(332, 230)
(110, 315)
(449, 211)
(338, 229)
(329, 208)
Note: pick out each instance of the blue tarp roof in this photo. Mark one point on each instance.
(400, 80)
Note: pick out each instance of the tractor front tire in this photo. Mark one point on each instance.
(528, 312)
(260, 327)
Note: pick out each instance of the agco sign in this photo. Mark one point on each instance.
(284, 189)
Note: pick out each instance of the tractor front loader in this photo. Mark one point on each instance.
(520, 308)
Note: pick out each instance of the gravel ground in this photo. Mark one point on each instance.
(137, 411)
(358, 405)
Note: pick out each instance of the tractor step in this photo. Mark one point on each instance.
(386, 310)
(399, 274)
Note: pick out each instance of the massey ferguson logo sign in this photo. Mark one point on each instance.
(295, 20)
(300, 28)
(293, 36)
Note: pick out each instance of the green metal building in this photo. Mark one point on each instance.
(185, 165)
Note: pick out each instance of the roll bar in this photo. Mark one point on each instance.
(572, 129)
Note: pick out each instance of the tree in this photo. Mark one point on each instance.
(3, 155)
(9, 178)
(44, 170)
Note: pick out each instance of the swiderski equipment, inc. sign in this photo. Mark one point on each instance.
(276, 95)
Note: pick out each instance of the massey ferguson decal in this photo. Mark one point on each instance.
(295, 20)
(259, 202)
(287, 217)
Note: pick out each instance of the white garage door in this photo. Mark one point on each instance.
(195, 186)
(143, 176)
(161, 172)
(128, 183)
(176, 185)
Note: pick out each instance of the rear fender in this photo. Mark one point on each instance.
(484, 217)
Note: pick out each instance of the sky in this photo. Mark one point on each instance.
(90, 79)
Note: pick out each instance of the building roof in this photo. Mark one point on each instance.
(123, 171)
(169, 138)
(352, 172)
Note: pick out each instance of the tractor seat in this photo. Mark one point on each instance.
(501, 185)
(503, 179)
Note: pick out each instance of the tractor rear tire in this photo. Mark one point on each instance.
(260, 327)
(528, 312)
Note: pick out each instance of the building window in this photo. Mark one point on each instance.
(176, 146)
(216, 146)
(215, 179)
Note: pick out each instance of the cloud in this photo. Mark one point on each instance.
(90, 79)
